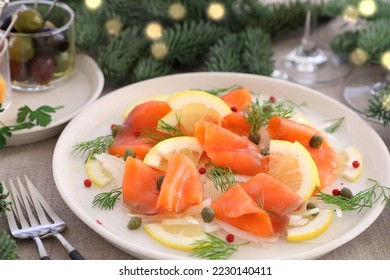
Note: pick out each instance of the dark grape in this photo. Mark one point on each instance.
(42, 69)
(19, 71)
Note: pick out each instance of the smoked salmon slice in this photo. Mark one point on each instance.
(140, 121)
(139, 187)
(225, 148)
(275, 197)
(237, 208)
(239, 98)
(325, 157)
(181, 187)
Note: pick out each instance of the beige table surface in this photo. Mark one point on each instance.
(36, 161)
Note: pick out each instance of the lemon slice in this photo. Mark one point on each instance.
(190, 106)
(179, 237)
(157, 157)
(292, 164)
(347, 168)
(96, 173)
(126, 111)
(319, 224)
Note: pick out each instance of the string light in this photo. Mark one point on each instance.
(216, 11)
(367, 8)
(93, 4)
(154, 30)
(350, 13)
(359, 56)
(159, 50)
(113, 27)
(177, 11)
(385, 59)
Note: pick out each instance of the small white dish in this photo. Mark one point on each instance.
(84, 87)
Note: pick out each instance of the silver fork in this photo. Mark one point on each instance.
(47, 218)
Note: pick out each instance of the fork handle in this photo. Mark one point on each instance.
(72, 252)
(43, 255)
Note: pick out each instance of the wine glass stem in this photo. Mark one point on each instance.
(308, 44)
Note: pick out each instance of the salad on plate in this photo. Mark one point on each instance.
(210, 171)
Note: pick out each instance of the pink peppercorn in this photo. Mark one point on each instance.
(230, 238)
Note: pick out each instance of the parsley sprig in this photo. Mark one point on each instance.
(26, 119)
(214, 248)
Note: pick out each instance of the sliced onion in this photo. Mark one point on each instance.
(113, 165)
(297, 220)
(186, 220)
(245, 235)
(310, 212)
(242, 178)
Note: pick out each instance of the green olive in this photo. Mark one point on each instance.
(29, 21)
(62, 61)
(21, 49)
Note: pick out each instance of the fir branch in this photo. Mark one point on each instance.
(26, 119)
(257, 51)
(221, 176)
(117, 59)
(214, 248)
(379, 105)
(336, 124)
(345, 43)
(8, 247)
(107, 200)
(96, 146)
(359, 201)
(148, 67)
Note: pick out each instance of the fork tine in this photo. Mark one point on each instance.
(17, 205)
(27, 203)
(36, 202)
(41, 202)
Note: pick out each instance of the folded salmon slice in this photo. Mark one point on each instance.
(181, 187)
(140, 122)
(139, 188)
(325, 157)
(237, 208)
(225, 148)
(275, 197)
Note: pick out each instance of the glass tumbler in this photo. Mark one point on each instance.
(5, 81)
(41, 47)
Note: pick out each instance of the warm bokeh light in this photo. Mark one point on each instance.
(93, 4)
(367, 8)
(154, 30)
(350, 13)
(385, 59)
(177, 11)
(216, 11)
(113, 27)
(159, 50)
(359, 56)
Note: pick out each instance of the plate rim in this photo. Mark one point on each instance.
(117, 242)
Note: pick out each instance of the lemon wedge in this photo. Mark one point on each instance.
(190, 106)
(351, 163)
(292, 164)
(181, 236)
(318, 225)
(126, 111)
(158, 155)
(96, 173)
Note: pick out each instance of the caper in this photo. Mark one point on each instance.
(134, 223)
(265, 152)
(207, 214)
(311, 205)
(346, 192)
(316, 141)
(267, 108)
(159, 182)
(254, 137)
(129, 153)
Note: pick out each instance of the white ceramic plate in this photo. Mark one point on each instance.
(96, 120)
(84, 87)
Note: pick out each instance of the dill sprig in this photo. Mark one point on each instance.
(95, 146)
(379, 105)
(363, 199)
(221, 176)
(214, 248)
(164, 131)
(258, 114)
(335, 125)
(219, 91)
(107, 200)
